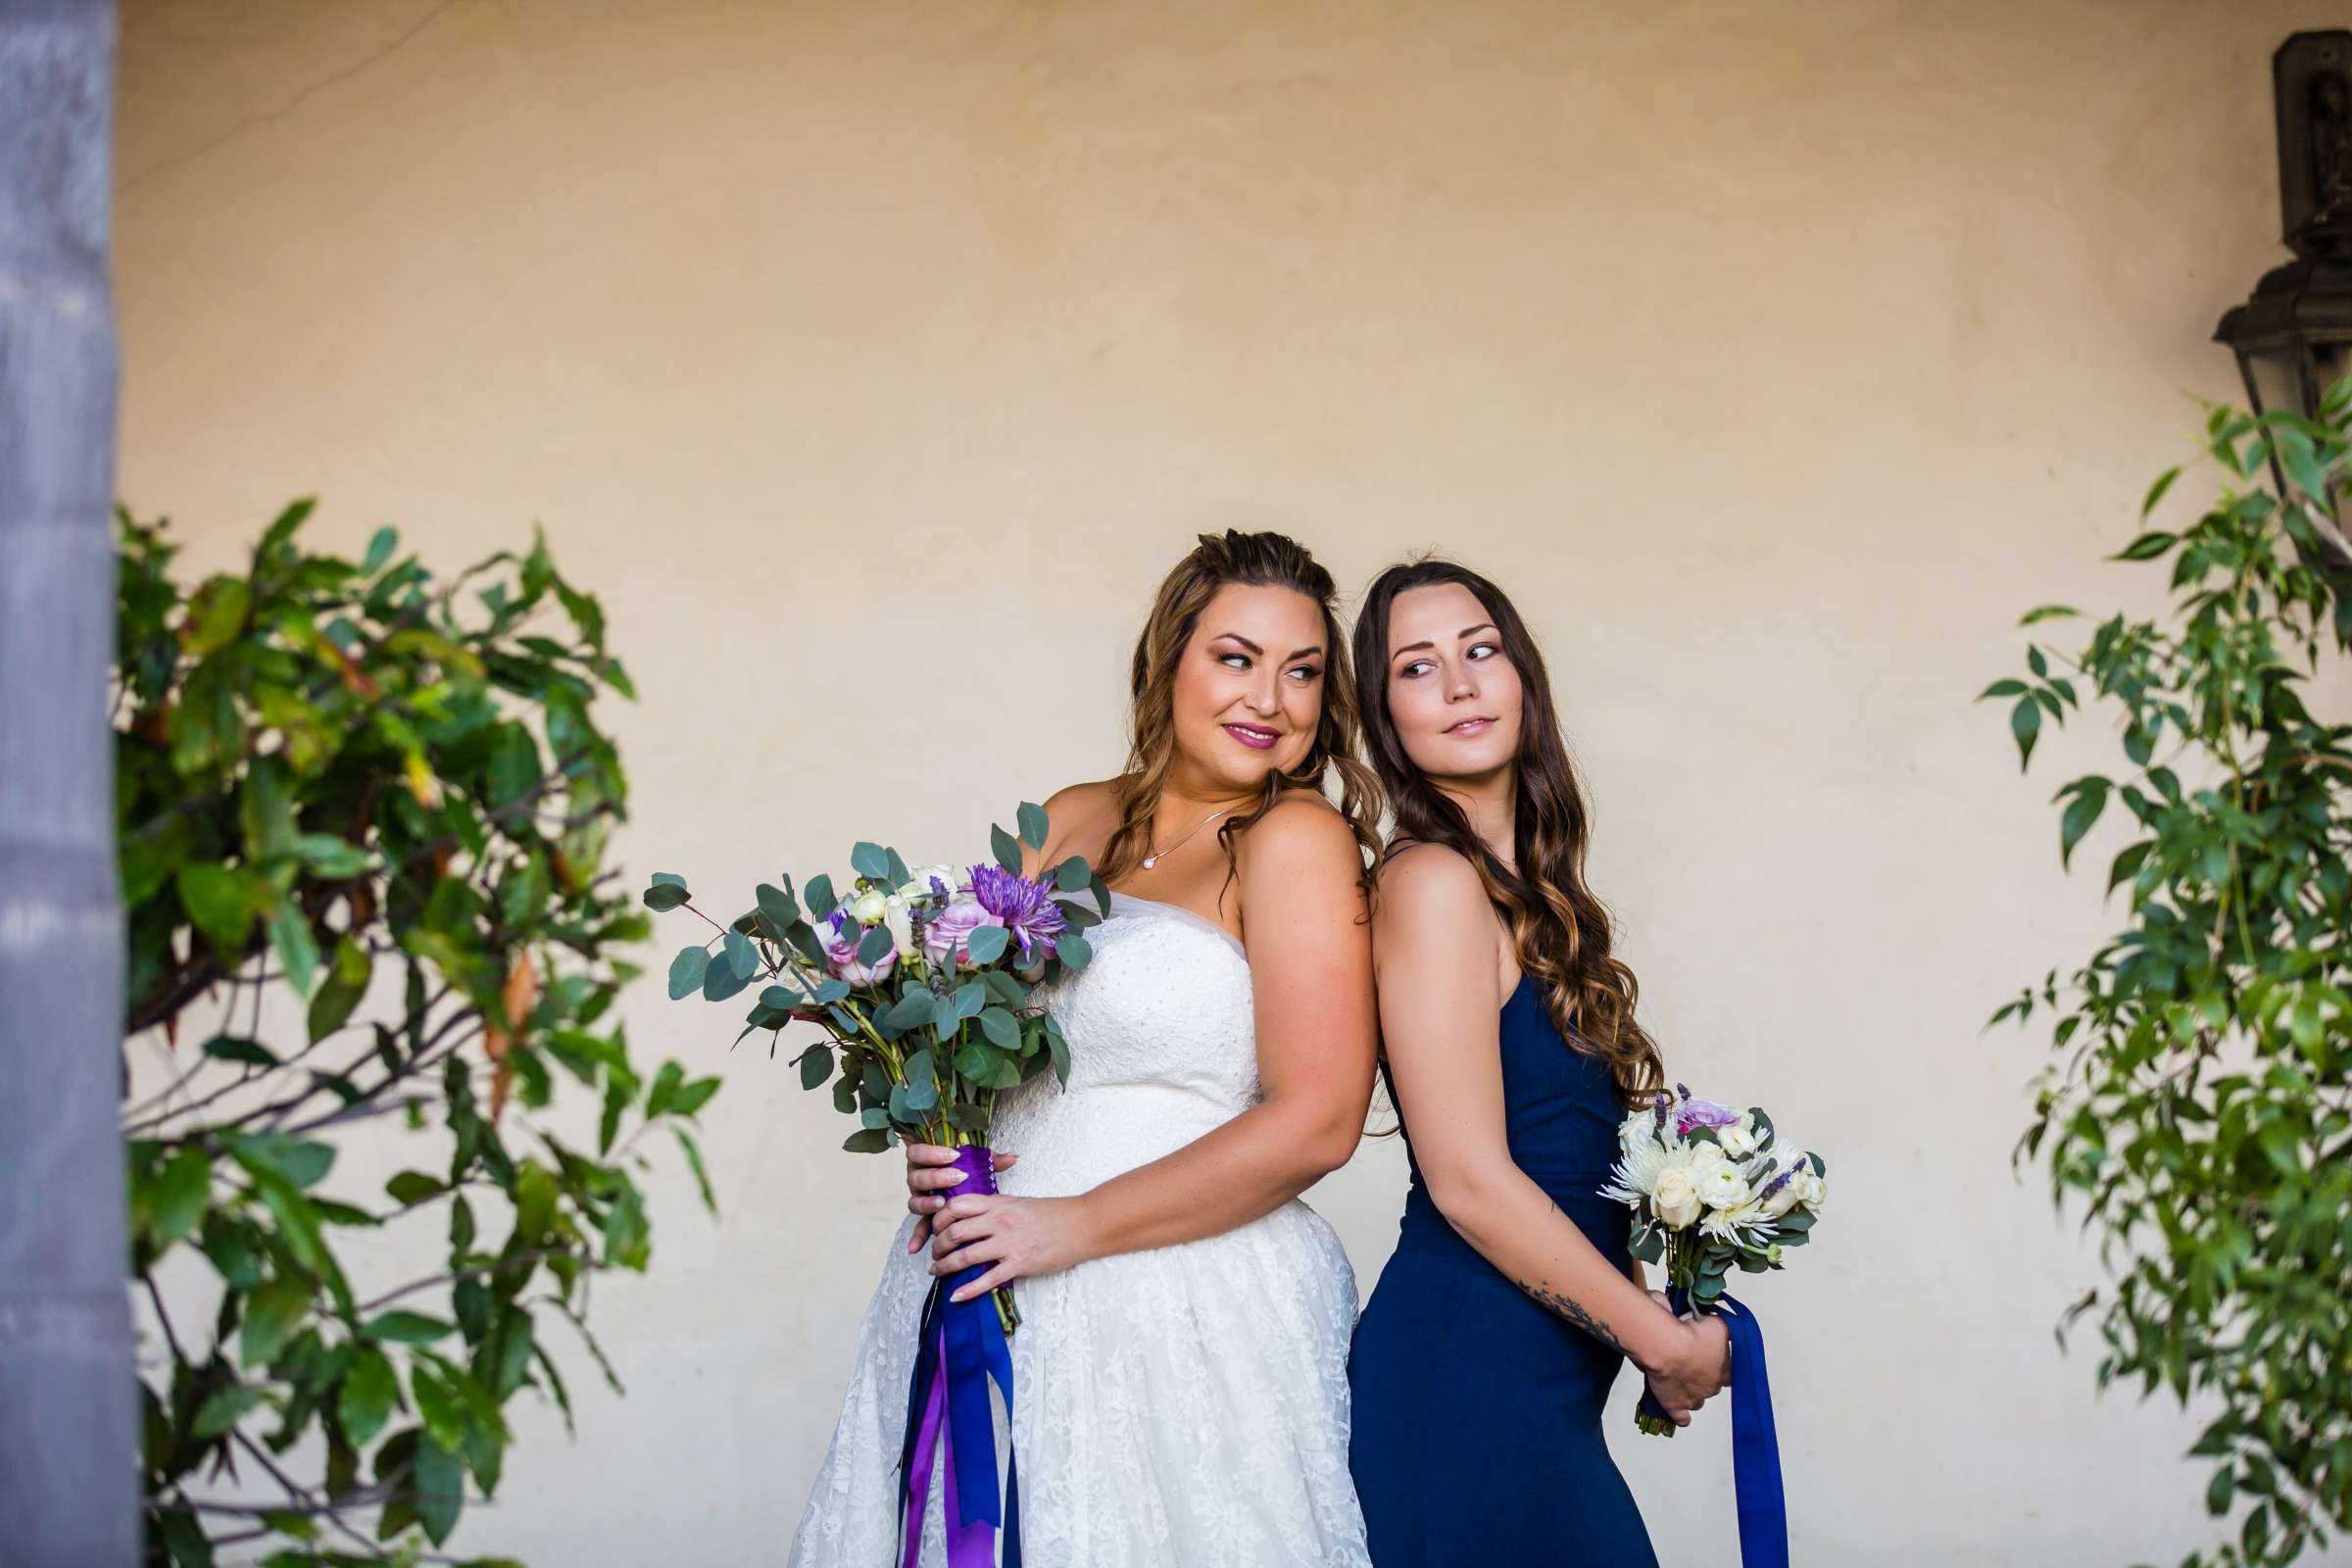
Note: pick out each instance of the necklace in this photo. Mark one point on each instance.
(1152, 860)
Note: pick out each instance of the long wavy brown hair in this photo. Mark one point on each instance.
(1222, 561)
(1560, 932)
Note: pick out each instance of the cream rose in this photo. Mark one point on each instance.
(1706, 1158)
(1675, 1198)
(1738, 1139)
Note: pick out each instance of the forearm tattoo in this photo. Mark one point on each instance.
(1573, 1311)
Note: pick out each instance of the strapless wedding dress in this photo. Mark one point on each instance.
(1180, 1407)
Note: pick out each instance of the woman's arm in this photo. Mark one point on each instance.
(1441, 1019)
(1311, 963)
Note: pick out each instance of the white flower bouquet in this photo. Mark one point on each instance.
(1712, 1189)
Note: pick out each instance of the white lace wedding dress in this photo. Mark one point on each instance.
(1175, 1408)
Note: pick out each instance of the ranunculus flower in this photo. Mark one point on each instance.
(871, 906)
(931, 882)
(1675, 1198)
(840, 940)
(1721, 1186)
(1738, 1140)
(1705, 1157)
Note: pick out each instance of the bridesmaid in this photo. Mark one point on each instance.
(1482, 1363)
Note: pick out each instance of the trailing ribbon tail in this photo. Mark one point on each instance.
(960, 1348)
(1763, 1506)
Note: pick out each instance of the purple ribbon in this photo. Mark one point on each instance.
(960, 1344)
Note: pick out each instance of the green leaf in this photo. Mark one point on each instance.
(182, 1192)
(694, 1162)
(303, 1162)
(870, 861)
(2163, 482)
(1006, 847)
(235, 1047)
(379, 550)
(664, 896)
(2043, 612)
(402, 1327)
(1033, 825)
(2002, 688)
(2146, 547)
(370, 1391)
(216, 612)
(437, 1407)
(2081, 813)
(346, 979)
(817, 1065)
(741, 955)
(866, 1141)
(220, 902)
(987, 943)
(222, 1410)
(2025, 723)
(296, 948)
(722, 979)
(778, 907)
(1074, 950)
(1073, 874)
(1002, 1030)
(271, 1315)
(875, 945)
(688, 971)
(412, 1187)
(817, 894)
(440, 1482)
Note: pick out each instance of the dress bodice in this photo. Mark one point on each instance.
(1163, 1048)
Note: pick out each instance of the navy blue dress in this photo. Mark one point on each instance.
(1477, 1433)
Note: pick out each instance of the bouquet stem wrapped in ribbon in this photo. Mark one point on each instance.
(922, 979)
(1714, 1189)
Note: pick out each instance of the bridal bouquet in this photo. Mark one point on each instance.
(921, 978)
(1712, 1189)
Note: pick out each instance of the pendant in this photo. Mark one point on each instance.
(1150, 860)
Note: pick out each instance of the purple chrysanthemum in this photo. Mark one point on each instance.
(1025, 909)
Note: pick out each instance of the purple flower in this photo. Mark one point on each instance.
(946, 934)
(1020, 906)
(1700, 1113)
(841, 952)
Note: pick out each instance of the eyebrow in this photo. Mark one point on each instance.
(1302, 653)
(1466, 631)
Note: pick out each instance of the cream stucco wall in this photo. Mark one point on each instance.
(1775, 354)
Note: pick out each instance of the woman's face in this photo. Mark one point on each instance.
(1453, 692)
(1249, 687)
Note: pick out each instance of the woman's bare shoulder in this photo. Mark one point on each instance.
(1080, 819)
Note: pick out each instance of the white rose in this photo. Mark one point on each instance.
(1782, 1199)
(1675, 1198)
(1738, 1139)
(871, 907)
(1704, 1156)
(1815, 1189)
(1721, 1186)
(901, 927)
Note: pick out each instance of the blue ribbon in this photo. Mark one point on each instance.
(961, 1343)
(1755, 1441)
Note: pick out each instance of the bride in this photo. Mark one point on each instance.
(1181, 1364)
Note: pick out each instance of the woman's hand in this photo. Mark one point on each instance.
(930, 1168)
(1021, 1237)
(1697, 1366)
